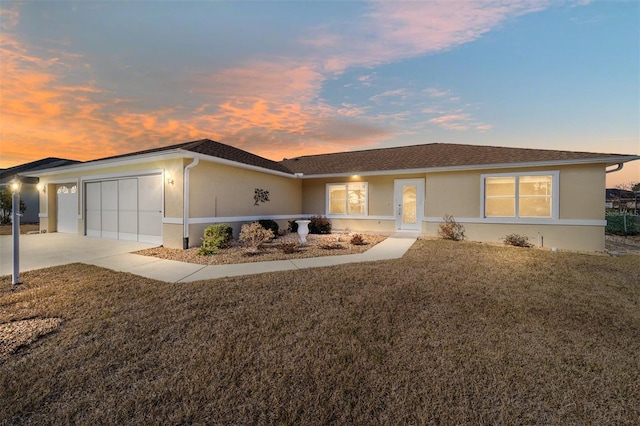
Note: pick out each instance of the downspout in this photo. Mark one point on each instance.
(185, 215)
(620, 166)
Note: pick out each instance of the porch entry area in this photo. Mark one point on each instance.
(125, 209)
(409, 204)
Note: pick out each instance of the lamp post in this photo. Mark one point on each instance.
(15, 228)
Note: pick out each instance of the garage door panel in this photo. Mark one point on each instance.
(150, 209)
(93, 209)
(128, 209)
(110, 210)
(125, 209)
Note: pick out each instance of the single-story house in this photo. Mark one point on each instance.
(622, 199)
(29, 191)
(169, 195)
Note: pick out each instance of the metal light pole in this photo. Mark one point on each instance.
(15, 229)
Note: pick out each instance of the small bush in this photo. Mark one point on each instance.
(253, 236)
(319, 225)
(293, 226)
(357, 240)
(517, 240)
(270, 224)
(216, 237)
(289, 247)
(450, 229)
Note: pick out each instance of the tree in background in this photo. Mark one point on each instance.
(630, 186)
(5, 207)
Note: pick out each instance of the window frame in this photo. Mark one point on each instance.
(555, 196)
(346, 185)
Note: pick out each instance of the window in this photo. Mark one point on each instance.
(521, 195)
(347, 198)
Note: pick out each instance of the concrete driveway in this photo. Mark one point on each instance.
(43, 250)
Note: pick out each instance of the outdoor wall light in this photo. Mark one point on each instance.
(42, 187)
(169, 178)
(15, 186)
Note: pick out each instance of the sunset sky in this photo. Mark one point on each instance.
(84, 80)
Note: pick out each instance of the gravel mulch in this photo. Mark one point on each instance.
(317, 245)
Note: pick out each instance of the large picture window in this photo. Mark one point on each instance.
(521, 195)
(348, 199)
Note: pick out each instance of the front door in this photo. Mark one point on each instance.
(409, 204)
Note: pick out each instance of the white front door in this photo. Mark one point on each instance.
(409, 204)
(67, 208)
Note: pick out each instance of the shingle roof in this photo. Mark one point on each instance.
(213, 149)
(428, 156)
(25, 169)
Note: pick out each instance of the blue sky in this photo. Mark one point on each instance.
(84, 80)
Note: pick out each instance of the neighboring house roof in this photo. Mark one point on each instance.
(212, 149)
(438, 156)
(24, 170)
(615, 193)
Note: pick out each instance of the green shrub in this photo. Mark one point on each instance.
(319, 225)
(450, 229)
(253, 236)
(270, 224)
(293, 226)
(622, 224)
(216, 237)
(517, 240)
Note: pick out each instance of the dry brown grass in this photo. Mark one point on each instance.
(24, 228)
(452, 333)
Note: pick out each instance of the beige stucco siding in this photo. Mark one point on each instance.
(219, 190)
(583, 238)
(582, 192)
(455, 193)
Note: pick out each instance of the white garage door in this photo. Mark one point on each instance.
(67, 208)
(125, 209)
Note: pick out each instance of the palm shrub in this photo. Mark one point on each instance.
(216, 237)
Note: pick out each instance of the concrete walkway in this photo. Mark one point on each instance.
(45, 250)
(172, 271)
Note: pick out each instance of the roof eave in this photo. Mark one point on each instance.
(606, 161)
(237, 164)
(120, 161)
(149, 157)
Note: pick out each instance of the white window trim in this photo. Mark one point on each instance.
(555, 197)
(337, 215)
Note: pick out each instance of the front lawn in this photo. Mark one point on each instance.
(452, 333)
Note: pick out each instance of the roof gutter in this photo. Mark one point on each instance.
(185, 192)
(620, 166)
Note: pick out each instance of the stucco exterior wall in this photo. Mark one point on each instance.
(579, 225)
(172, 192)
(223, 191)
(582, 238)
(224, 194)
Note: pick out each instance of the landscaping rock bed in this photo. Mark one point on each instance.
(317, 245)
